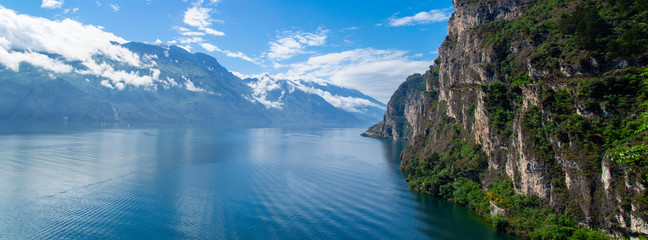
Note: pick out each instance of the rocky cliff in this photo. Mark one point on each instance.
(404, 109)
(531, 100)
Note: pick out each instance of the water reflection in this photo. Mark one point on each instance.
(79, 181)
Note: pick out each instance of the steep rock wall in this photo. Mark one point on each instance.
(521, 122)
(400, 122)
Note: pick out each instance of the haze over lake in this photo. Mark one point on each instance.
(142, 181)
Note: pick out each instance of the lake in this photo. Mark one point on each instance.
(157, 181)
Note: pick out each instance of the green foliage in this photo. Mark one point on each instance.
(550, 232)
(500, 103)
(589, 116)
(500, 223)
(525, 216)
(521, 79)
(471, 108)
(634, 153)
(585, 234)
(469, 193)
(612, 117)
(569, 33)
(532, 124)
(414, 85)
(436, 175)
(587, 26)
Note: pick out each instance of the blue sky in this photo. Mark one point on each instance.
(367, 45)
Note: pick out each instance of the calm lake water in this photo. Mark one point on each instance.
(137, 181)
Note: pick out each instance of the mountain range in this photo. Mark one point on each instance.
(140, 82)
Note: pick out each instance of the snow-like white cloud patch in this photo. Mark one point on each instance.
(12, 59)
(432, 16)
(70, 10)
(213, 48)
(211, 31)
(115, 7)
(374, 72)
(200, 17)
(185, 47)
(191, 87)
(119, 79)
(349, 104)
(261, 87)
(292, 43)
(191, 40)
(209, 47)
(266, 83)
(68, 38)
(240, 55)
(191, 34)
(51, 4)
(50, 44)
(197, 16)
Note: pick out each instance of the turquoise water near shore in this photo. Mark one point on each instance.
(163, 181)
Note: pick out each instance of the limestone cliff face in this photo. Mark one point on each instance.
(462, 103)
(403, 111)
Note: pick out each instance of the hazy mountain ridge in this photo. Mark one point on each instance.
(166, 83)
(286, 97)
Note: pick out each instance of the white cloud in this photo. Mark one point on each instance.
(192, 33)
(208, 47)
(436, 15)
(240, 75)
(181, 29)
(26, 38)
(70, 10)
(374, 72)
(200, 19)
(51, 4)
(350, 29)
(240, 55)
(212, 48)
(200, 2)
(68, 38)
(115, 7)
(349, 104)
(292, 43)
(12, 59)
(191, 40)
(266, 83)
(118, 78)
(186, 47)
(191, 87)
(157, 41)
(261, 88)
(211, 31)
(197, 16)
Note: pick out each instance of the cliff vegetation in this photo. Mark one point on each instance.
(535, 115)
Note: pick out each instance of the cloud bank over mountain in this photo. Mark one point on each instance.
(53, 45)
(110, 78)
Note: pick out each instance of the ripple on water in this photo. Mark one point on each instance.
(213, 183)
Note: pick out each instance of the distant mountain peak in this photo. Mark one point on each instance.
(168, 83)
(270, 90)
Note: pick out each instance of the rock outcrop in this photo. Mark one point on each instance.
(403, 110)
(534, 115)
